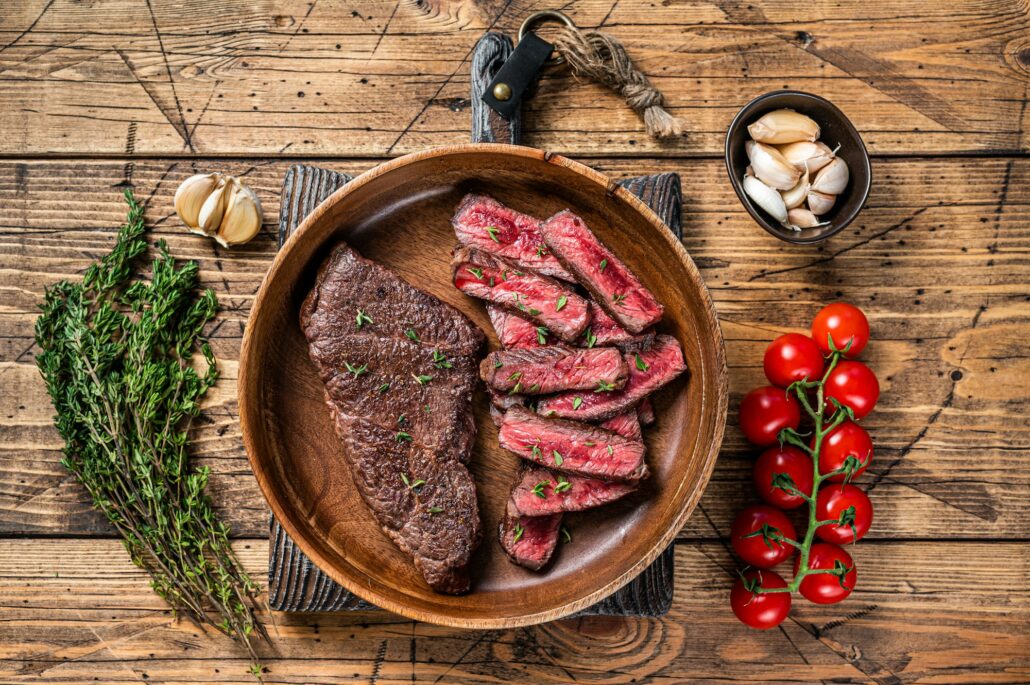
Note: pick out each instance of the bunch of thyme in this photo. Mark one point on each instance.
(118, 362)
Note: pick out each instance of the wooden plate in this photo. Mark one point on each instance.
(399, 215)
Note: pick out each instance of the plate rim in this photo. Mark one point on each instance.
(668, 536)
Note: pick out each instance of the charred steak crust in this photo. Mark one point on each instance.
(596, 268)
(401, 406)
(552, 369)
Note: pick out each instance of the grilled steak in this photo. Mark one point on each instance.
(540, 492)
(514, 332)
(483, 222)
(551, 369)
(571, 446)
(399, 370)
(645, 412)
(604, 330)
(648, 370)
(539, 299)
(625, 424)
(529, 540)
(610, 281)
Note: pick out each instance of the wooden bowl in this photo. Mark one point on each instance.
(399, 214)
(836, 129)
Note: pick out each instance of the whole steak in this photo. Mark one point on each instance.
(399, 369)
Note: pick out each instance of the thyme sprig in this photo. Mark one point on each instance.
(118, 362)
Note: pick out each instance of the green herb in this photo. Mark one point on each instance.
(589, 443)
(498, 364)
(604, 386)
(535, 388)
(537, 454)
(517, 389)
(435, 510)
(566, 534)
(590, 338)
(618, 298)
(492, 230)
(558, 460)
(412, 335)
(515, 376)
(404, 477)
(428, 409)
(401, 419)
(362, 318)
(440, 360)
(492, 282)
(534, 312)
(577, 402)
(538, 489)
(541, 250)
(117, 358)
(604, 265)
(411, 486)
(403, 437)
(356, 370)
(383, 388)
(417, 484)
(641, 364)
(422, 380)
(519, 530)
(541, 334)
(611, 451)
(562, 485)
(561, 303)
(478, 273)
(504, 275)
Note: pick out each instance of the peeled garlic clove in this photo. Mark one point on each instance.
(783, 126)
(770, 166)
(190, 197)
(799, 217)
(832, 179)
(820, 203)
(211, 211)
(804, 154)
(796, 195)
(766, 198)
(242, 219)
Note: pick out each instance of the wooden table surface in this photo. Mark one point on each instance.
(96, 96)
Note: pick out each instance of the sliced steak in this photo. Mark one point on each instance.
(514, 332)
(506, 400)
(540, 299)
(552, 369)
(645, 412)
(529, 541)
(648, 370)
(598, 270)
(625, 424)
(541, 492)
(399, 370)
(604, 330)
(483, 222)
(571, 446)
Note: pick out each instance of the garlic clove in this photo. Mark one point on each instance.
(805, 153)
(783, 126)
(770, 166)
(820, 203)
(242, 219)
(190, 197)
(766, 198)
(832, 179)
(796, 195)
(799, 218)
(213, 208)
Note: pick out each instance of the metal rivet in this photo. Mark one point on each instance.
(502, 91)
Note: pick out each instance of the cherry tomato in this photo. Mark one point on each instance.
(765, 411)
(853, 384)
(762, 610)
(762, 550)
(845, 323)
(825, 588)
(792, 357)
(846, 440)
(790, 461)
(834, 499)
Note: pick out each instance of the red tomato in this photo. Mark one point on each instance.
(765, 411)
(762, 550)
(853, 384)
(790, 461)
(762, 610)
(845, 323)
(846, 440)
(834, 499)
(792, 357)
(825, 588)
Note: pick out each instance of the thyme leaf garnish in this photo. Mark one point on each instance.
(538, 489)
(411, 335)
(577, 402)
(422, 380)
(519, 530)
(590, 338)
(603, 265)
(492, 230)
(541, 334)
(362, 318)
(640, 363)
(618, 298)
(560, 304)
(356, 370)
(558, 459)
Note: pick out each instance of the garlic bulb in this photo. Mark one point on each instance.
(783, 126)
(770, 166)
(219, 206)
(832, 179)
(796, 195)
(820, 203)
(806, 154)
(799, 218)
(766, 198)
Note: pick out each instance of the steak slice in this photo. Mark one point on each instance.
(539, 492)
(598, 270)
(483, 222)
(552, 369)
(645, 412)
(387, 352)
(540, 299)
(625, 424)
(648, 370)
(604, 330)
(514, 332)
(529, 541)
(571, 446)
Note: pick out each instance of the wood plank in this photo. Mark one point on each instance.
(76, 611)
(940, 255)
(297, 77)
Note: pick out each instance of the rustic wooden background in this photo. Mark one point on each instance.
(99, 95)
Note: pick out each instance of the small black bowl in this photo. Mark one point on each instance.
(835, 129)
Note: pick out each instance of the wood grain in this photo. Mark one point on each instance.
(948, 340)
(76, 612)
(301, 77)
